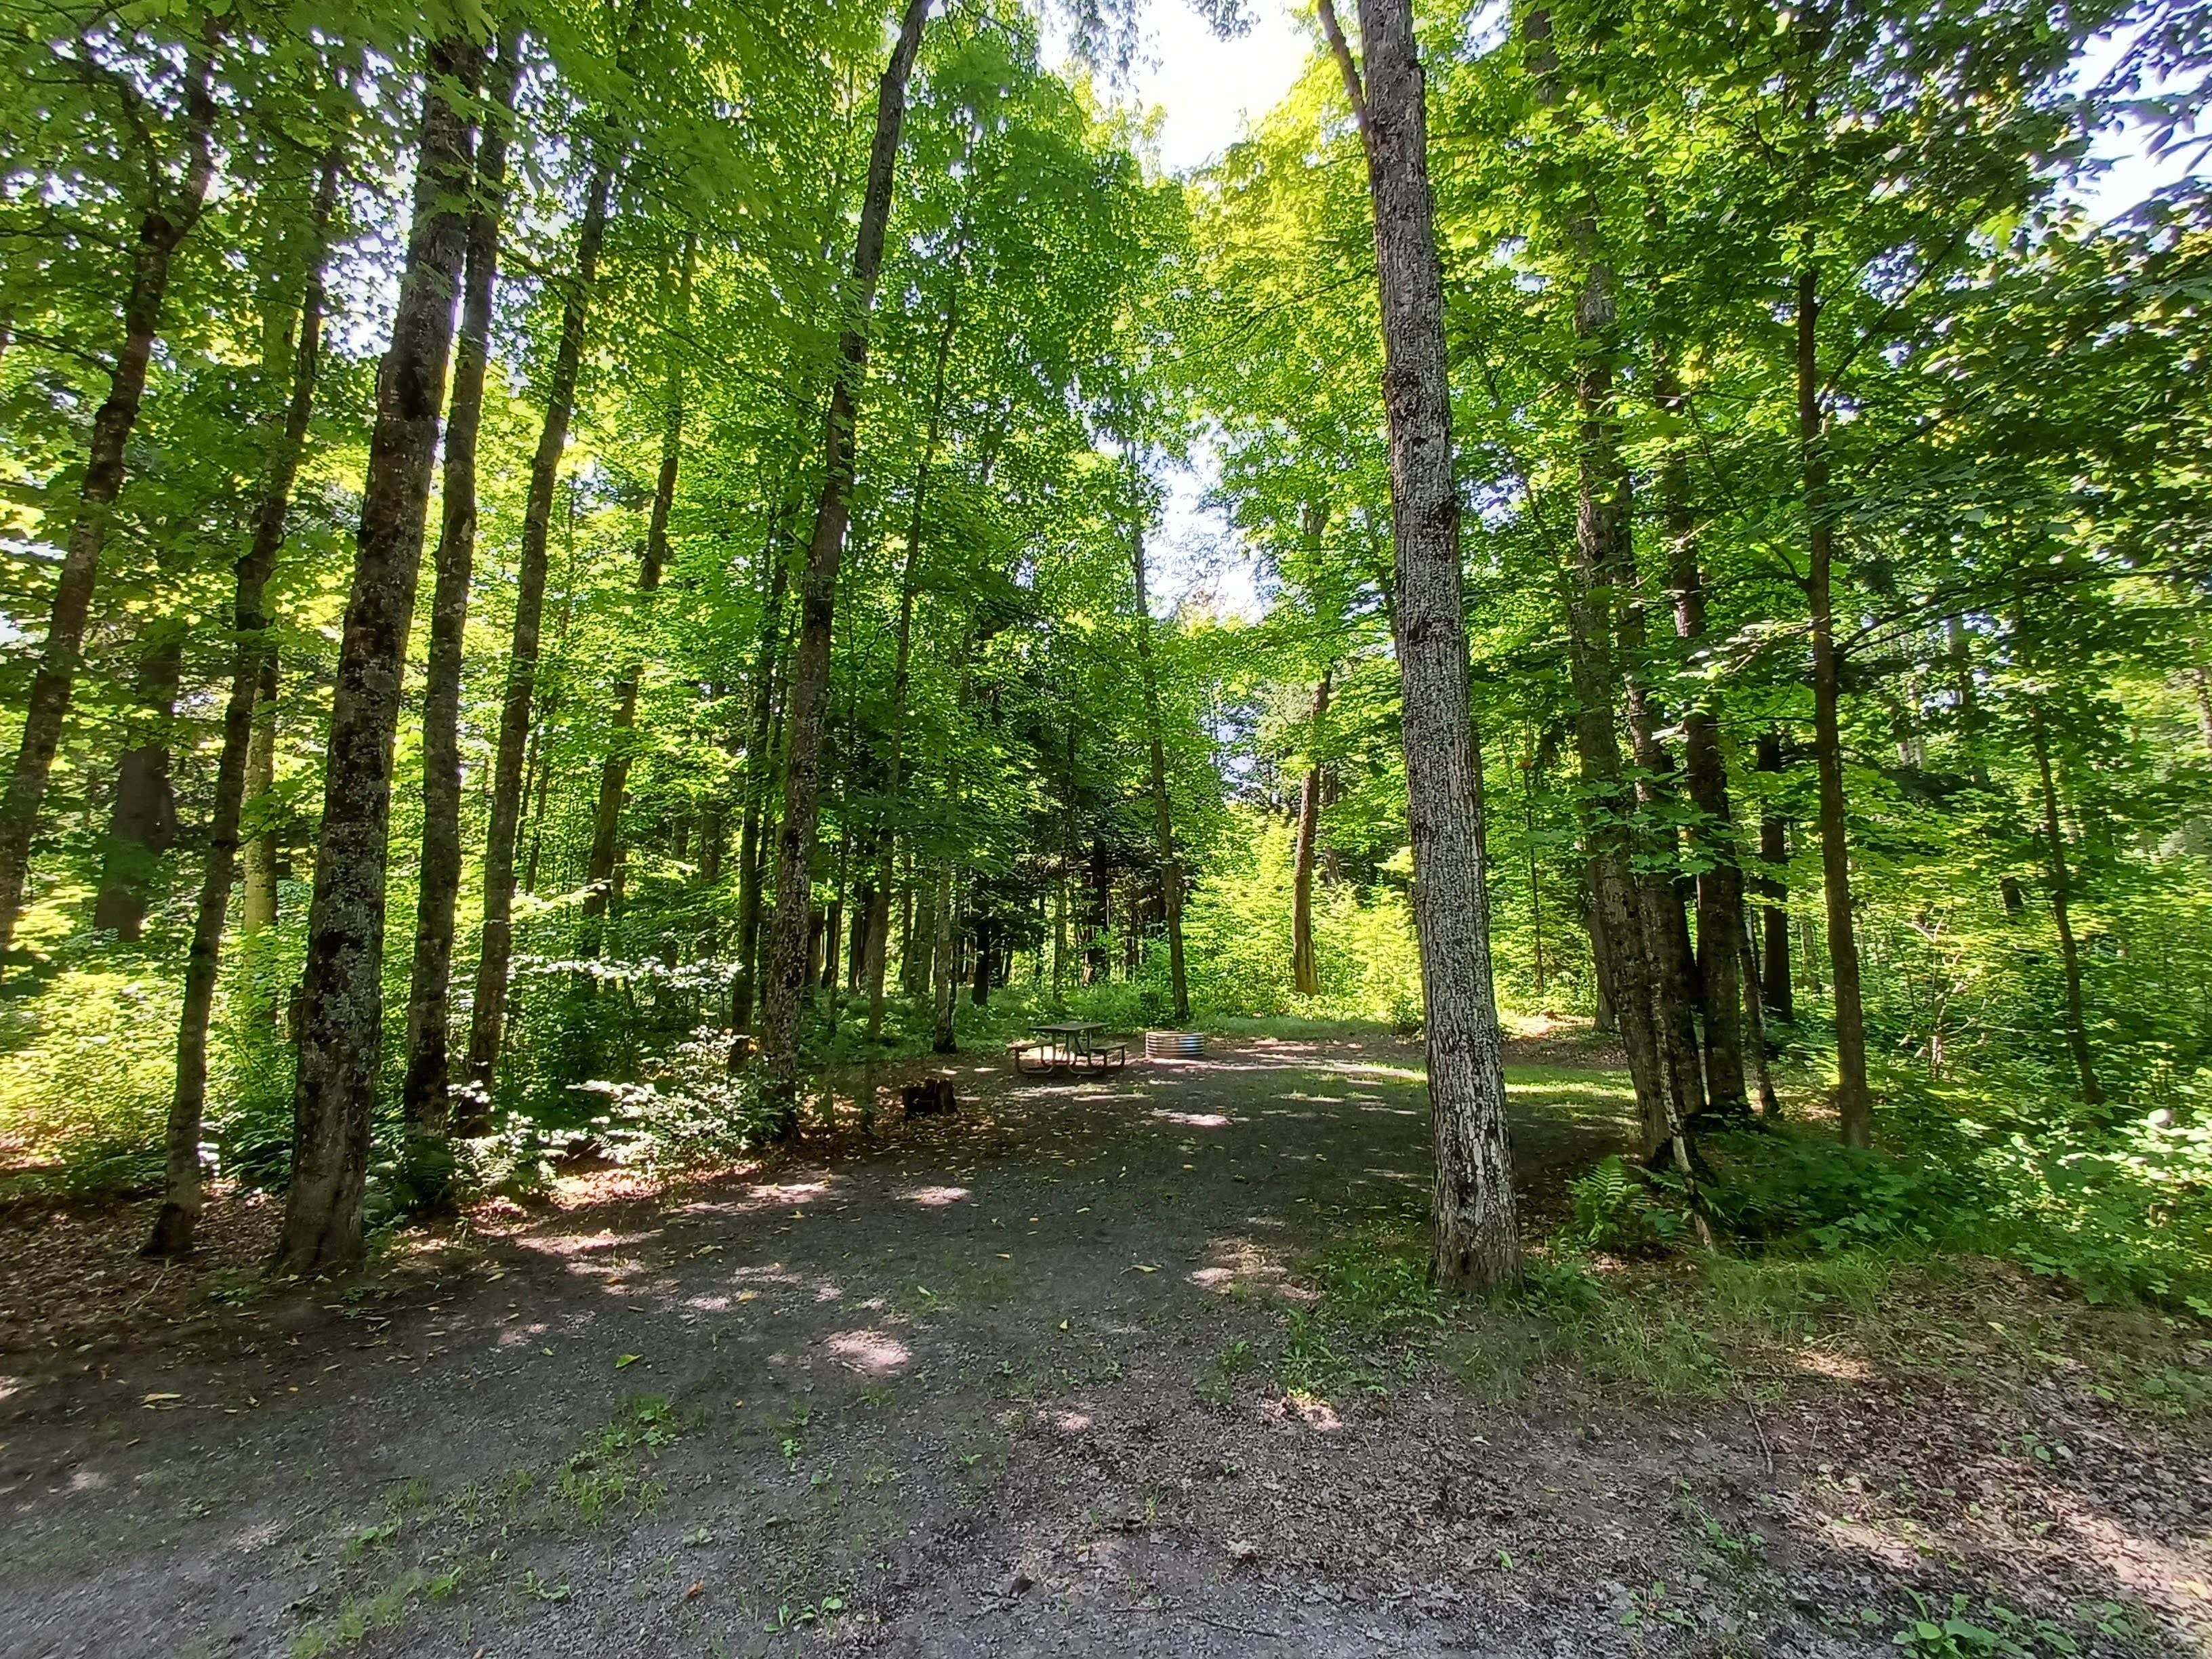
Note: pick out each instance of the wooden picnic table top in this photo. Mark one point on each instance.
(1069, 1027)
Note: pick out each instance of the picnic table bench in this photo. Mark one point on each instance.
(1068, 1045)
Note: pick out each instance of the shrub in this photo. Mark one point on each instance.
(85, 1080)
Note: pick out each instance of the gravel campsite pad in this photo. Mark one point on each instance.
(1135, 1364)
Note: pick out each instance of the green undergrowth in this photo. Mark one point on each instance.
(1373, 1318)
(2120, 1213)
(1720, 1325)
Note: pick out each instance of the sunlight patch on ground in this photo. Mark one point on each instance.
(2155, 1573)
(1193, 1120)
(1872, 1542)
(934, 1197)
(791, 1194)
(1838, 1367)
(586, 1243)
(1239, 1264)
(1297, 1409)
(870, 1353)
(1071, 1422)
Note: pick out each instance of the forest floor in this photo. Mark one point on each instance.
(1135, 1366)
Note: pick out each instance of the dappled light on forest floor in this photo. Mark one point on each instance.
(870, 1353)
(1188, 1338)
(934, 1198)
(1239, 1265)
(1837, 1367)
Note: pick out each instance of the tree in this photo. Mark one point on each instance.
(424, 1098)
(495, 961)
(340, 1029)
(1477, 1244)
(173, 197)
(174, 1223)
(785, 951)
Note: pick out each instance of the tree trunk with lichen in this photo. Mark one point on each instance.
(341, 1002)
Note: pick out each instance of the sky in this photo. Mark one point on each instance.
(1208, 90)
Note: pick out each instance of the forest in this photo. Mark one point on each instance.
(600, 596)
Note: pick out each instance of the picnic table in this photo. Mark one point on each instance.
(1068, 1045)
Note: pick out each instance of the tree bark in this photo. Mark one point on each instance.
(2069, 955)
(1774, 988)
(1754, 1025)
(340, 1028)
(178, 1217)
(257, 898)
(945, 960)
(425, 1100)
(1720, 933)
(487, 1023)
(1659, 901)
(614, 771)
(759, 775)
(162, 226)
(1618, 940)
(1477, 1240)
(1305, 972)
(786, 963)
(1854, 1104)
(1163, 813)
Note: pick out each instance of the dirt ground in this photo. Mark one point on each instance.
(1012, 1384)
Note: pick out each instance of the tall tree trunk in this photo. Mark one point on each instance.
(759, 775)
(1618, 940)
(1720, 933)
(917, 968)
(537, 783)
(1659, 900)
(1621, 941)
(257, 898)
(1854, 1104)
(786, 951)
(1774, 987)
(1097, 965)
(1068, 864)
(142, 822)
(902, 659)
(1477, 1240)
(614, 771)
(980, 990)
(2069, 955)
(945, 960)
(1305, 972)
(1162, 814)
(178, 1217)
(161, 226)
(1754, 1024)
(487, 1023)
(1528, 769)
(341, 1025)
(425, 1100)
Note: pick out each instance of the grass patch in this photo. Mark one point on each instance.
(611, 1470)
(1376, 1312)
(361, 1616)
